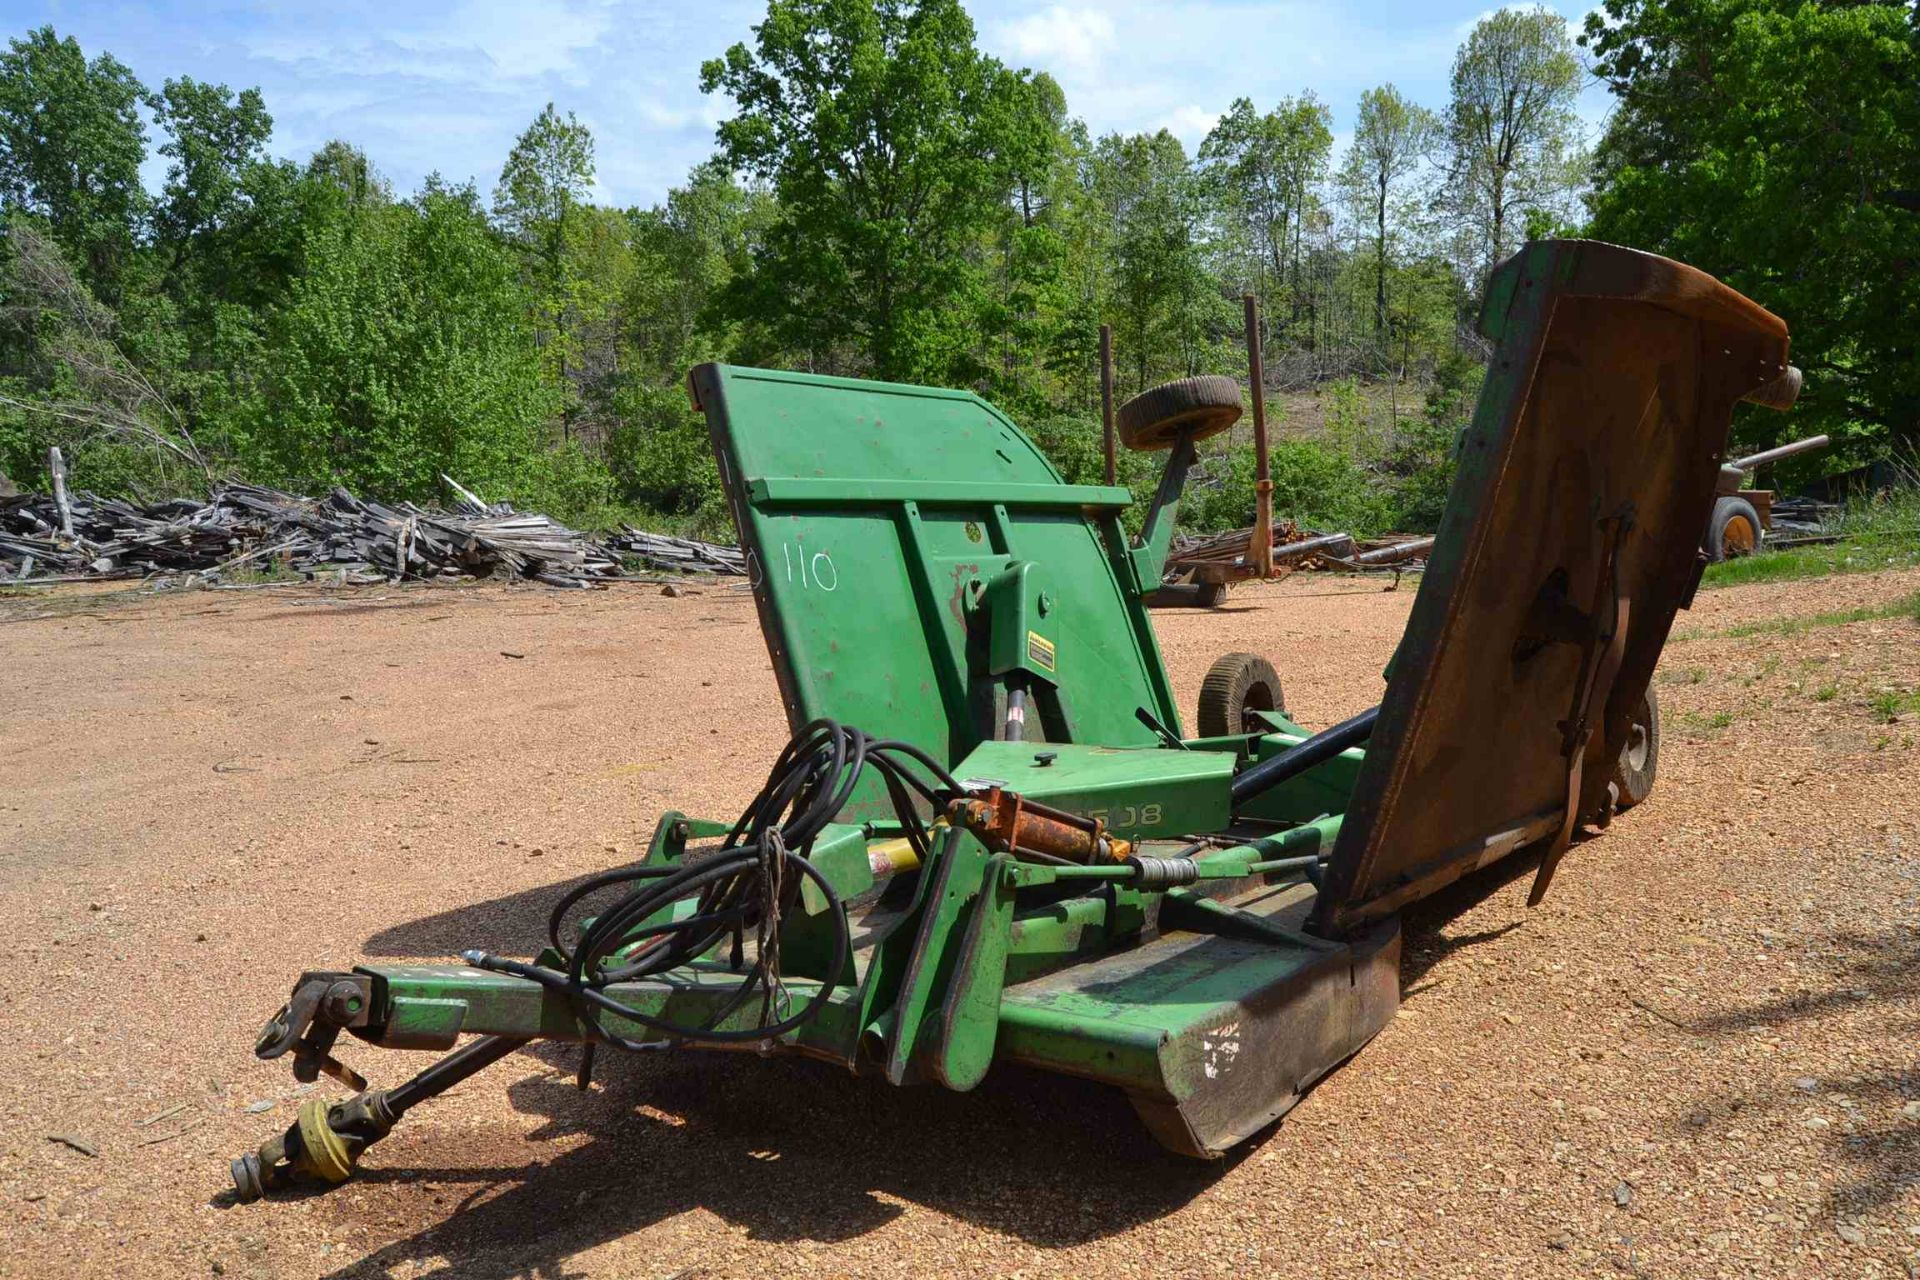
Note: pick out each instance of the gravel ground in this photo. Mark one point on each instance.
(1697, 1058)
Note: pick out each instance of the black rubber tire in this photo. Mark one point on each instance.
(1154, 419)
(1639, 763)
(1734, 530)
(1237, 684)
(1210, 595)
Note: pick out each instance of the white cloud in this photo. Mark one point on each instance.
(448, 84)
(475, 41)
(523, 38)
(1060, 39)
(1189, 123)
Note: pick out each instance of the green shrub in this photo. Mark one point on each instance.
(1315, 484)
(660, 455)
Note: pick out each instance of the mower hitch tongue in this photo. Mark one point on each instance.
(988, 839)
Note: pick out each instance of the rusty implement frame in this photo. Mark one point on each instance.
(1209, 924)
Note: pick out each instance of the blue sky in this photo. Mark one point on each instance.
(446, 85)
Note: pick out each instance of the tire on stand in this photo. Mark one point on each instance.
(1157, 417)
(1237, 686)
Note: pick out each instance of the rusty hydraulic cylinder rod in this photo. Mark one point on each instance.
(1302, 756)
(1778, 452)
(1005, 821)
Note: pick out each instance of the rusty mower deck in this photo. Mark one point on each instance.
(989, 839)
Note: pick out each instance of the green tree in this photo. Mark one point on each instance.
(1511, 128)
(889, 142)
(75, 382)
(1167, 309)
(1392, 139)
(686, 251)
(1777, 146)
(404, 351)
(345, 168)
(71, 143)
(1267, 170)
(539, 203)
(546, 177)
(214, 137)
(1031, 300)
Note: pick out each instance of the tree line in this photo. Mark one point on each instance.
(889, 201)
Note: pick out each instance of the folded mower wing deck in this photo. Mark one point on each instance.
(1210, 924)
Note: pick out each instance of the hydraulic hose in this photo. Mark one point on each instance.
(744, 888)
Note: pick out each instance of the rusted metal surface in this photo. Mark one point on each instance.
(1411, 549)
(1227, 557)
(1570, 540)
(1006, 822)
(1740, 537)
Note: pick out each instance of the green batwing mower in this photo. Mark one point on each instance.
(989, 839)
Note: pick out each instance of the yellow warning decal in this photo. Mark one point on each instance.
(1039, 650)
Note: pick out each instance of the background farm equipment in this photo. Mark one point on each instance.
(1742, 517)
(989, 840)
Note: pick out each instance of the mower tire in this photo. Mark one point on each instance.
(1237, 685)
(1195, 407)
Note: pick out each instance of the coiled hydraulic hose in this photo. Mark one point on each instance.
(746, 887)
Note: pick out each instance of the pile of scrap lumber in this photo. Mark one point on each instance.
(1294, 548)
(245, 528)
(682, 555)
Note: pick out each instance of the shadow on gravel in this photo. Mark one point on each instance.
(1858, 967)
(515, 925)
(1424, 941)
(1866, 1131)
(785, 1150)
(1873, 1147)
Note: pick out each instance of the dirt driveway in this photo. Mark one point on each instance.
(1700, 1057)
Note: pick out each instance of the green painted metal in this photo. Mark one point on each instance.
(1321, 790)
(968, 1024)
(428, 1006)
(874, 518)
(806, 491)
(958, 873)
(1140, 793)
(1019, 635)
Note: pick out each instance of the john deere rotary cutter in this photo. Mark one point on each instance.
(988, 839)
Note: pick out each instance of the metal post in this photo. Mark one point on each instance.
(1260, 544)
(1106, 396)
